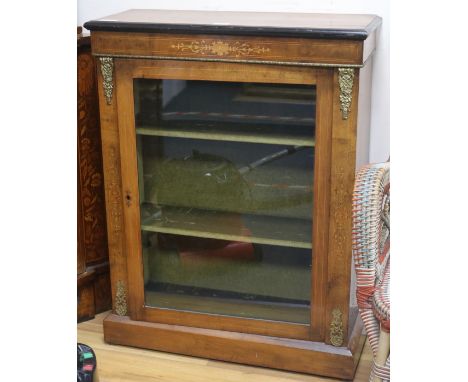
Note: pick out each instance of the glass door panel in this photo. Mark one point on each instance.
(226, 188)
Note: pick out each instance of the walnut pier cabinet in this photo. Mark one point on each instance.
(230, 143)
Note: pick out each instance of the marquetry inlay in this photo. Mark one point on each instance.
(220, 48)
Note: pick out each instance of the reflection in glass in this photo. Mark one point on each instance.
(226, 182)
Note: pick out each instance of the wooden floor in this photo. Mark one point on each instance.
(126, 364)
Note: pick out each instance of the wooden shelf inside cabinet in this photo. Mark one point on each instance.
(259, 229)
(248, 134)
(230, 145)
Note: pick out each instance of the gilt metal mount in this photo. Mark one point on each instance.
(107, 69)
(345, 80)
(120, 299)
(336, 328)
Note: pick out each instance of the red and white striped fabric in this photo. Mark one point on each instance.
(371, 254)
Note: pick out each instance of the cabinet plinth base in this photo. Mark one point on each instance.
(273, 352)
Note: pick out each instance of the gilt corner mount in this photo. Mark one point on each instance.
(120, 299)
(336, 328)
(107, 69)
(345, 80)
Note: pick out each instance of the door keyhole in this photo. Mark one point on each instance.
(128, 199)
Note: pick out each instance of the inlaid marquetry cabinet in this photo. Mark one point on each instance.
(93, 281)
(230, 143)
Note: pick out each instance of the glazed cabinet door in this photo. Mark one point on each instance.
(225, 172)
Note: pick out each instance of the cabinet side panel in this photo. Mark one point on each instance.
(343, 160)
(321, 200)
(113, 191)
(369, 46)
(362, 140)
(364, 115)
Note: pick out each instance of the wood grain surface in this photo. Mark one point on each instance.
(113, 189)
(343, 160)
(126, 71)
(316, 25)
(222, 47)
(272, 352)
(93, 222)
(93, 283)
(227, 57)
(123, 363)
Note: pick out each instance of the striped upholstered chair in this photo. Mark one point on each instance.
(371, 253)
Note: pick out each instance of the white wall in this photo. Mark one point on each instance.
(380, 118)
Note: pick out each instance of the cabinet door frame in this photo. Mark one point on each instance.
(126, 70)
